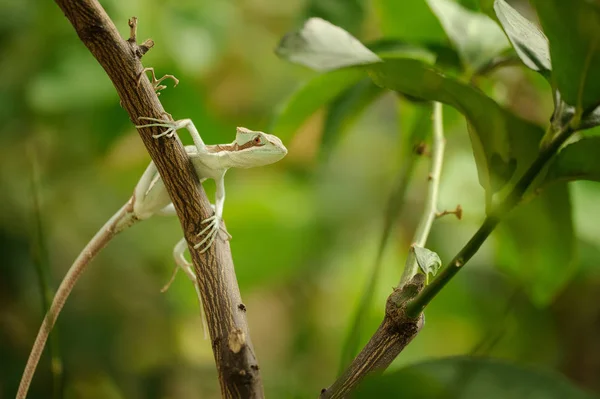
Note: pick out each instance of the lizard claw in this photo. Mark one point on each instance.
(156, 83)
(171, 126)
(212, 230)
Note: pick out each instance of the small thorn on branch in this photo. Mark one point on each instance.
(458, 212)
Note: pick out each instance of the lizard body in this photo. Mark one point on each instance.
(150, 197)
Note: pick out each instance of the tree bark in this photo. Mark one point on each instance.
(395, 332)
(237, 366)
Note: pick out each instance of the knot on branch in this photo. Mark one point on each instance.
(138, 49)
(396, 318)
(237, 340)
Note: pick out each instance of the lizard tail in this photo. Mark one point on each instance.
(117, 223)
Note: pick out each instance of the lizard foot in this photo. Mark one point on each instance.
(181, 263)
(171, 126)
(156, 83)
(212, 229)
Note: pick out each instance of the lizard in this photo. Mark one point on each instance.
(249, 149)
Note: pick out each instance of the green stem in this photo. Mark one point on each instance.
(394, 208)
(429, 213)
(417, 305)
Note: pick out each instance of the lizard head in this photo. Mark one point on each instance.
(257, 148)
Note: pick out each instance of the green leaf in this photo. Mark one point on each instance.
(323, 46)
(536, 244)
(428, 261)
(310, 97)
(469, 378)
(529, 42)
(494, 131)
(336, 86)
(345, 109)
(577, 161)
(477, 37)
(573, 29)
(409, 20)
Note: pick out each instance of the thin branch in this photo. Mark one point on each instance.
(236, 364)
(413, 298)
(414, 148)
(416, 306)
(431, 210)
(396, 329)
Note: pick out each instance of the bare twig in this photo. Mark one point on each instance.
(238, 370)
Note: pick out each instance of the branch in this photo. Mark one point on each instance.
(234, 355)
(431, 211)
(416, 306)
(395, 332)
(414, 148)
(390, 339)
(397, 328)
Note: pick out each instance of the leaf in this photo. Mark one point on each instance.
(536, 244)
(529, 42)
(577, 161)
(573, 29)
(494, 131)
(428, 261)
(323, 46)
(390, 49)
(345, 109)
(477, 37)
(313, 95)
(409, 20)
(469, 378)
(326, 88)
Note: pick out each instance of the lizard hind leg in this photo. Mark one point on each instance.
(187, 267)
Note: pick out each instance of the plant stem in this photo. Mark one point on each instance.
(395, 205)
(416, 306)
(429, 214)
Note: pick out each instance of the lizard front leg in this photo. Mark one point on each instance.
(156, 83)
(173, 126)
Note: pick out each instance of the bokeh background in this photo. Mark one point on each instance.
(305, 230)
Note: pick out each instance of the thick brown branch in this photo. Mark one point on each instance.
(236, 364)
(395, 332)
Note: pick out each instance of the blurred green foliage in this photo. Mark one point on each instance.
(305, 231)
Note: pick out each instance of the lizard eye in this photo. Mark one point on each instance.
(256, 140)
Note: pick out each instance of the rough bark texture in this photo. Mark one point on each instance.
(236, 364)
(395, 332)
